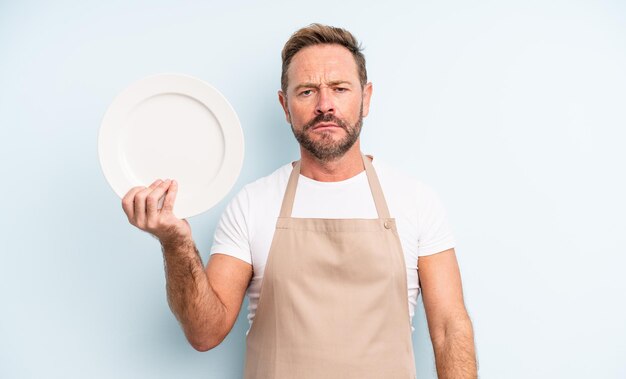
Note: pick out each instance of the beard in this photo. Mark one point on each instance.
(326, 148)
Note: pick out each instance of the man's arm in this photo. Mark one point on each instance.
(205, 302)
(449, 325)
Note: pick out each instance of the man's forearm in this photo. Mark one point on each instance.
(455, 356)
(190, 296)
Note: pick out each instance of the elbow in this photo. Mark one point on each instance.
(205, 334)
(205, 344)
(202, 347)
(457, 327)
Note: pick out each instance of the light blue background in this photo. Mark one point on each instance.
(514, 111)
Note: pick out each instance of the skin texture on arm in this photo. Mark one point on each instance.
(449, 325)
(206, 302)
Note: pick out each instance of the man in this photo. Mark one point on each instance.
(326, 267)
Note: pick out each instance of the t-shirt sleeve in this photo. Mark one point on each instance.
(231, 234)
(435, 233)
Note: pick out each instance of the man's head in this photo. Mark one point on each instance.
(318, 34)
(325, 93)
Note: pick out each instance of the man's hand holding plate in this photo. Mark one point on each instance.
(141, 205)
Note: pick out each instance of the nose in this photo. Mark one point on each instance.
(324, 102)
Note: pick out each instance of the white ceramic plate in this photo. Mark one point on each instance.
(172, 126)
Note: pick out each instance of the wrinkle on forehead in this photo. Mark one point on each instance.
(323, 64)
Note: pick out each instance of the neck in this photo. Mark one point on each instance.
(342, 168)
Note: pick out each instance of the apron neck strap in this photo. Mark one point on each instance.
(377, 191)
(372, 178)
(290, 193)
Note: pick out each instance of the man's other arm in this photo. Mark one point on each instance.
(448, 322)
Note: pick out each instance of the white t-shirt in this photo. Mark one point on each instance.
(247, 226)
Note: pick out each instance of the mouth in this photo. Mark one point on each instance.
(325, 126)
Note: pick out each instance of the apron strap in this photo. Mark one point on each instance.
(290, 193)
(372, 178)
(377, 191)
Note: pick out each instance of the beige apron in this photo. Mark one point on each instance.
(333, 301)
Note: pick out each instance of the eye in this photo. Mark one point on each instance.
(340, 89)
(306, 92)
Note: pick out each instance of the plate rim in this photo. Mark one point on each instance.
(228, 120)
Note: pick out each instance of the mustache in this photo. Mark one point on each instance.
(325, 117)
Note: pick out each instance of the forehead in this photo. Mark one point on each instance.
(321, 63)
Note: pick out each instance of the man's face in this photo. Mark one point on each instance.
(324, 101)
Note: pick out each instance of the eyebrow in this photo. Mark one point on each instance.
(313, 85)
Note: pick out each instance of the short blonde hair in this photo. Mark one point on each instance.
(317, 34)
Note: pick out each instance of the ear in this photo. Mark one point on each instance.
(282, 98)
(367, 95)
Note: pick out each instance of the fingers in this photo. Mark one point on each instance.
(128, 202)
(170, 198)
(139, 205)
(153, 198)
